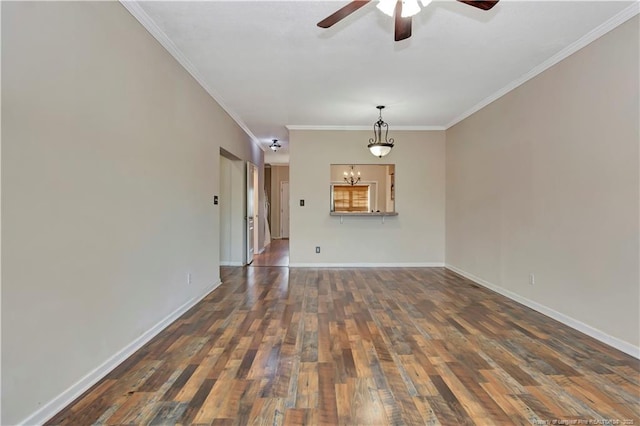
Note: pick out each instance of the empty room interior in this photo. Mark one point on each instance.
(320, 212)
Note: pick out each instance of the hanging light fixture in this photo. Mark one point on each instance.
(351, 178)
(409, 7)
(377, 146)
(275, 145)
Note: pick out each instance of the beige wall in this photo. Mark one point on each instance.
(414, 237)
(110, 160)
(545, 181)
(279, 174)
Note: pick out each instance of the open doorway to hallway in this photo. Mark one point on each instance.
(276, 252)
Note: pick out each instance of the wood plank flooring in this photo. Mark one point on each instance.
(363, 347)
(275, 254)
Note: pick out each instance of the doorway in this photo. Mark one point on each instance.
(231, 207)
(276, 251)
(252, 219)
(284, 209)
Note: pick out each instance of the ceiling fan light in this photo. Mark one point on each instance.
(275, 145)
(387, 6)
(409, 8)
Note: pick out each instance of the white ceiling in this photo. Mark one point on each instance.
(270, 66)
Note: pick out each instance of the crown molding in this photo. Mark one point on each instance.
(351, 128)
(139, 14)
(583, 41)
(149, 24)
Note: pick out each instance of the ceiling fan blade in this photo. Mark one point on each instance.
(402, 25)
(342, 13)
(484, 5)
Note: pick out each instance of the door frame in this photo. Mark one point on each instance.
(251, 214)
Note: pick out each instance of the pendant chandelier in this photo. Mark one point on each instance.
(377, 146)
(351, 178)
(275, 145)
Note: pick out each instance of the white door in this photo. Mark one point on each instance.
(251, 217)
(256, 211)
(284, 209)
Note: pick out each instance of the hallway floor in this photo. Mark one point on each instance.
(276, 254)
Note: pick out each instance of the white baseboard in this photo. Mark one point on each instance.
(600, 335)
(366, 265)
(51, 408)
(229, 263)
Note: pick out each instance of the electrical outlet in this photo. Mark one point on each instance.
(188, 277)
(317, 249)
(532, 279)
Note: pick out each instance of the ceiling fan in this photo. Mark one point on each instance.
(404, 10)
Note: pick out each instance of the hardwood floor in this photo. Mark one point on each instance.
(275, 254)
(363, 346)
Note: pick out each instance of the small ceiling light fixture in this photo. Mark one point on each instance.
(275, 145)
(377, 146)
(409, 7)
(350, 177)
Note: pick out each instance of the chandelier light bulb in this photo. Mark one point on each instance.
(350, 177)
